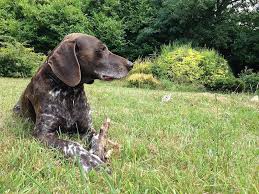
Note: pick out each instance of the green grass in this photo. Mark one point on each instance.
(195, 143)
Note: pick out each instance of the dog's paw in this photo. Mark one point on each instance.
(90, 161)
(99, 141)
(93, 162)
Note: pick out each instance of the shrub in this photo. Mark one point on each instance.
(42, 24)
(251, 81)
(184, 64)
(229, 84)
(142, 67)
(16, 60)
(247, 82)
(142, 80)
(214, 67)
(179, 64)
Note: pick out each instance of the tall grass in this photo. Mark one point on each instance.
(195, 143)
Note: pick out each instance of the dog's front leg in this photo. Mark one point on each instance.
(72, 149)
(99, 141)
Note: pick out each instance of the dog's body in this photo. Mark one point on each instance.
(61, 107)
(55, 99)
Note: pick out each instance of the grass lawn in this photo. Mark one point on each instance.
(195, 143)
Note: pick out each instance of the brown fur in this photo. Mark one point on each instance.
(55, 98)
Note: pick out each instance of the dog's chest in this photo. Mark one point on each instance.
(67, 106)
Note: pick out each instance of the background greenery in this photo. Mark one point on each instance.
(16, 60)
(210, 44)
(185, 65)
(136, 28)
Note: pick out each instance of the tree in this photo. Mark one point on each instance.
(226, 25)
(43, 24)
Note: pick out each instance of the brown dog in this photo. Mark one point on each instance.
(55, 99)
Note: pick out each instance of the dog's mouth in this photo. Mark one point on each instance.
(107, 78)
(110, 78)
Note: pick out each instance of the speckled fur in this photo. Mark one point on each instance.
(62, 108)
(55, 99)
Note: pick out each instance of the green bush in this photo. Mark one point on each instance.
(142, 66)
(184, 64)
(16, 60)
(180, 65)
(142, 80)
(251, 81)
(43, 24)
(247, 82)
(229, 84)
(214, 67)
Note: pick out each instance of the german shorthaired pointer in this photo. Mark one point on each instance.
(55, 99)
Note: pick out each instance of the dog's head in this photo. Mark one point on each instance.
(83, 58)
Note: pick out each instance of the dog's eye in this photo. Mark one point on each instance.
(103, 48)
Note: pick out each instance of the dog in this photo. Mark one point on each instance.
(55, 99)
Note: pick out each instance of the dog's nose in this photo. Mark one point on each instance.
(129, 64)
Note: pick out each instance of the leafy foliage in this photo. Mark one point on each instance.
(16, 60)
(231, 27)
(180, 65)
(142, 80)
(247, 82)
(109, 30)
(214, 67)
(184, 64)
(229, 84)
(136, 16)
(43, 24)
(251, 81)
(142, 66)
(137, 28)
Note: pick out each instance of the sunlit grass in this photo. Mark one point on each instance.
(195, 143)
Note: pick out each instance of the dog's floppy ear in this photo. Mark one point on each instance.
(64, 63)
